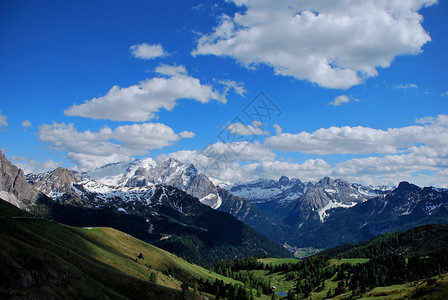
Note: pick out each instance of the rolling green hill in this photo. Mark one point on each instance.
(41, 258)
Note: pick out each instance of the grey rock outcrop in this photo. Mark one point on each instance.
(326, 190)
(172, 172)
(13, 186)
(54, 182)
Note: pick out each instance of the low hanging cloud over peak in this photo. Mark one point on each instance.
(32, 165)
(89, 149)
(141, 102)
(335, 44)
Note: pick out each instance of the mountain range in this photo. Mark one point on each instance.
(162, 215)
(176, 207)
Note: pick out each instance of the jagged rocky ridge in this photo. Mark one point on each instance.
(13, 185)
(170, 172)
(287, 210)
(405, 207)
(262, 190)
(186, 177)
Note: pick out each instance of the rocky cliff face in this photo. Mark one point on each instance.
(187, 178)
(321, 197)
(327, 190)
(170, 172)
(405, 207)
(13, 186)
(262, 190)
(250, 213)
(53, 183)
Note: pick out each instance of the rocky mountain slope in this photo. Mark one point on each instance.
(186, 177)
(13, 186)
(170, 172)
(53, 183)
(251, 214)
(321, 197)
(262, 190)
(332, 212)
(405, 207)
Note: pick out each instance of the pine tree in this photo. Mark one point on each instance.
(217, 293)
(153, 277)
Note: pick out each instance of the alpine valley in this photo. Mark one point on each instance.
(174, 207)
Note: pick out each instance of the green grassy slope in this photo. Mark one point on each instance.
(224, 236)
(40, 258)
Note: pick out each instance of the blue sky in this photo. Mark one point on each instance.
(356, 89)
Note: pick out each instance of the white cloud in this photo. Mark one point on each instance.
(335, 44)
(146, 51)
(342, 99)
(278, 129)
(418, 154)
(242, 151)
(243, 129)
(3, 119)
(148, 135)
(393, 168)
(26, 123)
(140, 102)
(31, 165)
(89, 149)
(406, 86)
(171, 70)
(310, 170)
(390, 169)
(199, 7)
(238, 87)
(444, 94)
(363, 140)
(440, 120)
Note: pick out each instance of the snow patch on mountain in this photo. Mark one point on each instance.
(121, 209)
(221, 183)
(212, 200)
(431, 208)
(117, 174)
(323, 212)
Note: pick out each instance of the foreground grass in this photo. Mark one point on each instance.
(121, 251)
(41, 258)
